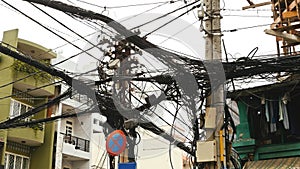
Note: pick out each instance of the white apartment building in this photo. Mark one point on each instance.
(79, 140)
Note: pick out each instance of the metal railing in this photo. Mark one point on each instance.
(79, 143)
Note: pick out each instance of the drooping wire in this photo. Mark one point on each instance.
(100, 160)
(76, 46)
(40, 107)
(126, 19)
(178, 32)
(160, 117)
(248, 27)
(35, 110)
(164, 15)
(248, 16)
(170, 152)
(48, 119)
(125, 6)
(34, 73)
(30, 90)
(160, 105)
(64, 25)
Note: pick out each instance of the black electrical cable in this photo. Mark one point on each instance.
(181, 53)
(170, 153)
(124, 6)
(131, 37)
(161, 118)
(164, 15)
(137, 5)
(60, 46)
(31, 74)
(252, 10)
(17, 123)
(76, 84)
(30, 90)
(45, 120)
(126, 19)
(88, 24)
(35, 110)
(248, 27)
(103, 154)
(47, 28)
(226, 55)
(140, 138)
(161, 106)
(249, 16)
(104, 160)
(64, 25)
(69, 81)
(178, 32)
(165, 24)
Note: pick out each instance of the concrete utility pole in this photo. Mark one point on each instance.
(215, 102)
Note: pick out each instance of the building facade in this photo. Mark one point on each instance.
(21, 148)
(79, 141)
(268, 134)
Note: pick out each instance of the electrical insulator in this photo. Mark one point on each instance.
(201, 12)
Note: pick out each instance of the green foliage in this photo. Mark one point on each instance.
(37, 127)
(24, 67)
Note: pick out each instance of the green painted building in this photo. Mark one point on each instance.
(25, 147)
(268, 135)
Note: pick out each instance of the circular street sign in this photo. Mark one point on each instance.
(116, 142)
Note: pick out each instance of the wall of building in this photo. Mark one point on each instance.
(66, 154)
(82, 126)
(97, 150)
(41, 141)
(98, 141)
(67, 164)
(162, 161)
(41, 157)
(9, 37)
(154, 153)
(81, 165)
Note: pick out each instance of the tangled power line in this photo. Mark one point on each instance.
(138, 75)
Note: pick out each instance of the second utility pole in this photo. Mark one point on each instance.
(216, 99)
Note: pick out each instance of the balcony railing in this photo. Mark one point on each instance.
(79, 143)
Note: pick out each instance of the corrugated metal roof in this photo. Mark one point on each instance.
(281, 163)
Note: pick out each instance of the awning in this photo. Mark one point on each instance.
(280, 163)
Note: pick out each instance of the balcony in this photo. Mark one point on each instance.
(79, 143)
(36, 80)
(75, 146)
(34, 50)
(27, 136)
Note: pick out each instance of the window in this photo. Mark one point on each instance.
(95, 121)
(17, 108)
(15, 161)
(69, 128)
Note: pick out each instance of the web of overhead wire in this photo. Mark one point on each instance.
(143, 89)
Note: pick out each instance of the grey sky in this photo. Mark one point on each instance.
(242, 41)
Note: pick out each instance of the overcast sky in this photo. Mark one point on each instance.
(238, 43)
